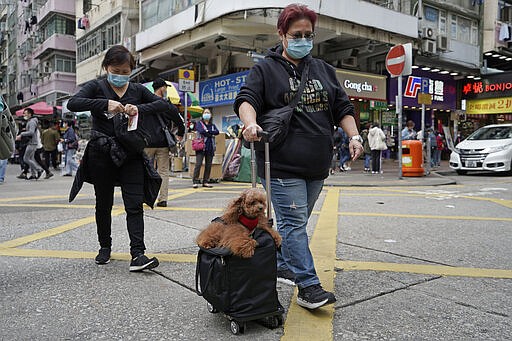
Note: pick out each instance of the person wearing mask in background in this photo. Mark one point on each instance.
(377, 141)
(298, 166)
(50, 139)
(70, 140)
(31, 131)
(158, 148)
(208, 130)
(408, 132)
(106, 163)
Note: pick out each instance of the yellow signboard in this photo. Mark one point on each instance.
(501, 105)
(425, 99)
(186, 74)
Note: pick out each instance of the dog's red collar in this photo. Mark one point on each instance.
(249, 223)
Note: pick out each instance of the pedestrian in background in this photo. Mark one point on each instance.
(345, 159)
(439, 150)
(50, 139)
(106, 163)
(366, 147)
(207, 130)
(70, 140)
(38, 156)
(31, 132)
(408, 133)
(377, 142)
(3, 168)
(158, 149)
(298, 166)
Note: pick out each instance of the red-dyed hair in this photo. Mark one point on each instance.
(292, 13)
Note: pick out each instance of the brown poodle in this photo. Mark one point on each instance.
(234, 228)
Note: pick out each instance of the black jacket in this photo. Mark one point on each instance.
(307, 150)
(152, 123)
(91, 98)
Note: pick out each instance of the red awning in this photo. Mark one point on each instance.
(40, 108)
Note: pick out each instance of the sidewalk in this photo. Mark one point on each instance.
(357, 177)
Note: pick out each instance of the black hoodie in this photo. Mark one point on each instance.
(307, 150)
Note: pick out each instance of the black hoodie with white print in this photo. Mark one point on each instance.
(307, 150)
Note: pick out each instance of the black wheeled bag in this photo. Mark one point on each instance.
(244, 289)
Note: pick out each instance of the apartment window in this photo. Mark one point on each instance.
(453, 27)
(442, 22)
(100, 39)
(58, 25)
(463, 29)
(65, 64)
(87, 5)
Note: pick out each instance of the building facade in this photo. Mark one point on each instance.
(102, 24)
(40, 52)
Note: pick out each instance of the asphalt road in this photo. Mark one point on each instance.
(406, 263)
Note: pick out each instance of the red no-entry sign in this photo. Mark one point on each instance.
(395, 60)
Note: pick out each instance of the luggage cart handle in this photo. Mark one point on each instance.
(264, 137)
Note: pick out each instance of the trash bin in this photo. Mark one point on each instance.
(412, 158)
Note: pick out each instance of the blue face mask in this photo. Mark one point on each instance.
(118, 80)
(1, 105)
(299, 48)
(207, 117)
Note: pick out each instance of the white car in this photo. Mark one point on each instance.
(487, 149)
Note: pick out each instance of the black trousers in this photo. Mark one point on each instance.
(376, 160)
(208, 159)
(50, 158)
(130, 176)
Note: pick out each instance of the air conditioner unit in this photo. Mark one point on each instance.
(215, 66)
(506, 14)
(442, 42)
(349, 62)
(428, 33)
(429, 46)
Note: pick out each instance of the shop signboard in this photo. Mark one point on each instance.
(501, 105)
(362, 85)
(493, 86)
(389, 118)
(442, 88)
(221, 90)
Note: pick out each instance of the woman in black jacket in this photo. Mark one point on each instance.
(300, 164)
(109, 163)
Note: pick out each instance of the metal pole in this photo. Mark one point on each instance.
(186, 130)
(425, 142)
(399, 112)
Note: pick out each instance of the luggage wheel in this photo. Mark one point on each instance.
(211, 308)
(272, 322)
(236, 327)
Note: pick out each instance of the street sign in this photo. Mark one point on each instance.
(395, 60)
(424, 97)
(186, 80)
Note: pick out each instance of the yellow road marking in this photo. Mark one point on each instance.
(52, 232)
(302, 324)
(421, 216)
(440, 270)
(67, 254)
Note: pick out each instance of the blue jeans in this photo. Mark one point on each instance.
(293, 201)
(367, 159)
(71, 165)
(3, 167)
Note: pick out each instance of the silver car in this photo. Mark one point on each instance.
(487, 149)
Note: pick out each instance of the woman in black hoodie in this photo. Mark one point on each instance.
(301, 163)
(106, 163)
